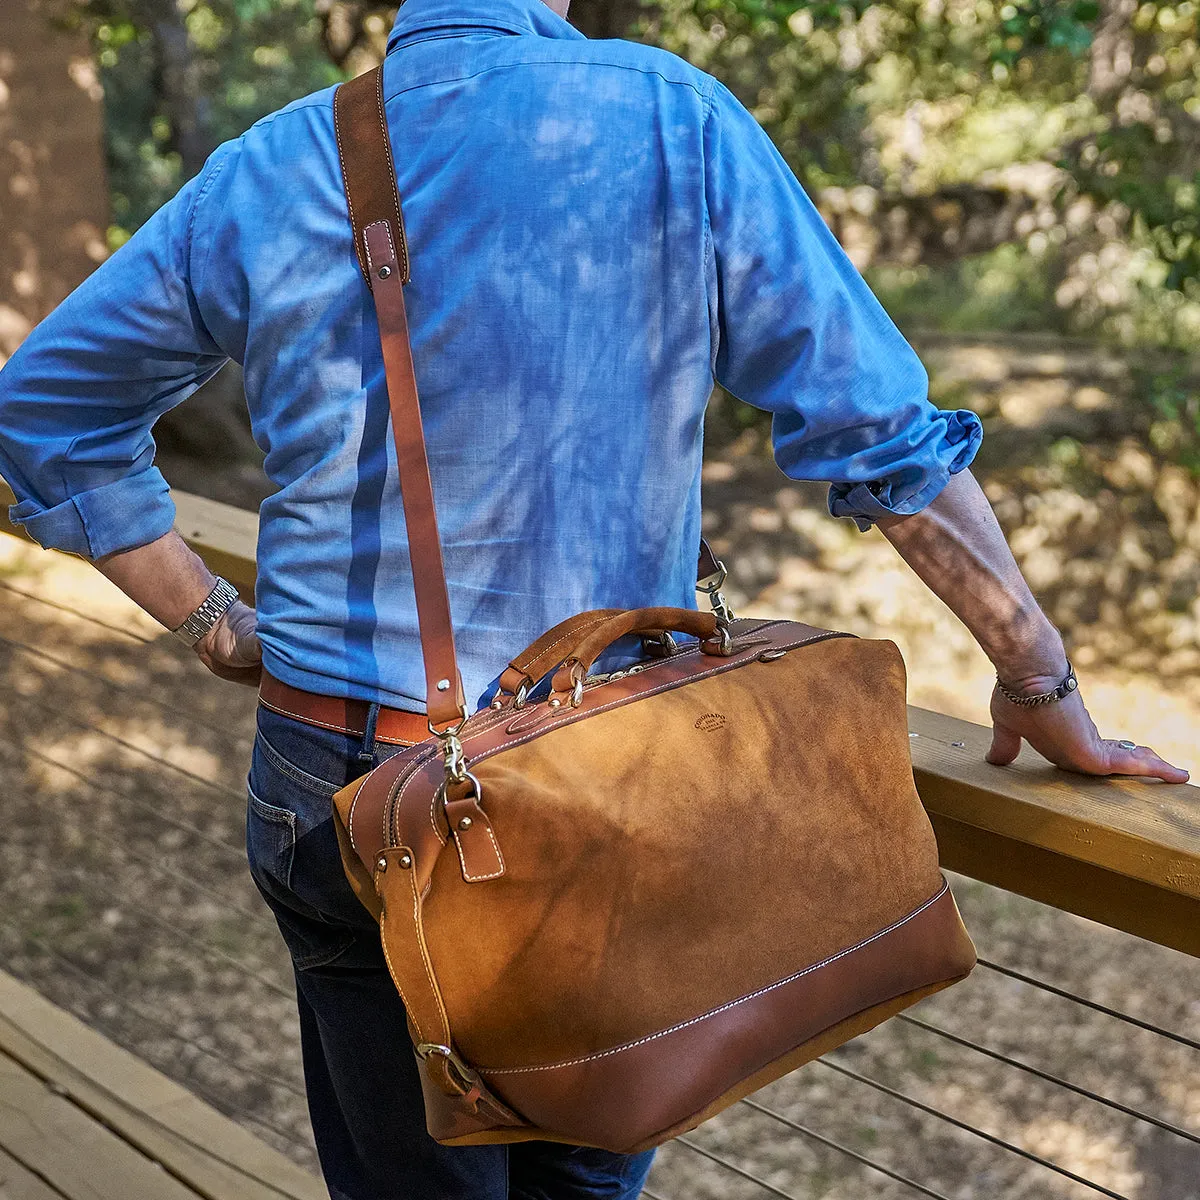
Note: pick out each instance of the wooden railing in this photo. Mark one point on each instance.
(1122, 852)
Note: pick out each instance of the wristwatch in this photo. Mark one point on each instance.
(210, 610)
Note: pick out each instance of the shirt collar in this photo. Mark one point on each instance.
(417, 19)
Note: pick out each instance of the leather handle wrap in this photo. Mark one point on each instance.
(635, 620)
(376, 219)
(551, 648)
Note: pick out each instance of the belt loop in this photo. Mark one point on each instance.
(366, 755)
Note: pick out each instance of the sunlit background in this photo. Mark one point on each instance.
(1020, 183)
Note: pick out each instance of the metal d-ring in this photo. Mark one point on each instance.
(463, 1075)
(442, 794)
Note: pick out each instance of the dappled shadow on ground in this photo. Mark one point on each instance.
(123, 891)
(125, 899)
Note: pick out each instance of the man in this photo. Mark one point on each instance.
(597, 230)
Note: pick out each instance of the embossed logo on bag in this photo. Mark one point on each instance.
(709, 723)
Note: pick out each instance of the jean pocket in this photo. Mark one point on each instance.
(284, 744)
(270, 841)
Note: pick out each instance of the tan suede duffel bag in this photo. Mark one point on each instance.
(613, 912)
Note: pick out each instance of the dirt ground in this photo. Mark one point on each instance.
(123, 894)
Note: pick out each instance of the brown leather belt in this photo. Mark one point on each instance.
(394, 725)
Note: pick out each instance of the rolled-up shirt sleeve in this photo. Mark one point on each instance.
(799, 334)
(79, 396)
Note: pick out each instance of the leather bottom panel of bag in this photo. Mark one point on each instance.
(703, 889)
(714, 1062)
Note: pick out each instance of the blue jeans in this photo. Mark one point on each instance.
(363, 1092)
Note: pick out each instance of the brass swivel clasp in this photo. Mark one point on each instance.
(711, 587)
(450, 743)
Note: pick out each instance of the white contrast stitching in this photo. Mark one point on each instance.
(574, 1062)
(396, 978)
(569, 633)
(397, 212)
(337, 131)
(662, 687)
(463, 862)
(433, 987)
(284, 712)
(353, 806)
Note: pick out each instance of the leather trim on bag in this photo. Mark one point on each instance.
(716, 1012)
(615, 1101)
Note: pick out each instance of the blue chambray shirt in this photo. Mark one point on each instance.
(598, 230)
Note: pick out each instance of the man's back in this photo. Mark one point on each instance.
(596, 228)
(549, 240)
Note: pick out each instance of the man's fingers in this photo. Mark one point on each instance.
(1006, 745)
(1141, 760)
(247, 649)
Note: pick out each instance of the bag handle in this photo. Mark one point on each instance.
(559, 643)
(548, 651)
(369, 175)
(568, 679)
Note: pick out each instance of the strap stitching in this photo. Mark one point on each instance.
(418, 927)
(396, 979)
(573, 630)
(393, 190)
(463, 862)
(337, 133)
(574, 1062)
(353, 809)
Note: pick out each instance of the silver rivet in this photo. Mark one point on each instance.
(405, 860)
(384, 272)
(381, 865)
(443, 685)
(497, 704)
(465, 824)
(771, 655)
(556, 703)
(1071, 685)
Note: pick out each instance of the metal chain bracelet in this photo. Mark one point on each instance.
(1061, 691)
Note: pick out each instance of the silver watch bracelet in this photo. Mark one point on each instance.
(207, 613)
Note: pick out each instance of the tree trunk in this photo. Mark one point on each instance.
(605, 18)
(53, 183)
(180, 85)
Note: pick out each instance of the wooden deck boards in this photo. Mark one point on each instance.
(82, 1119)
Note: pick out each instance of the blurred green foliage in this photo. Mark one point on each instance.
(180, 78)
(1086, 111)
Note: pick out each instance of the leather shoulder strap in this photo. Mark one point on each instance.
(378, 223)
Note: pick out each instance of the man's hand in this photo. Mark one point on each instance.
(958, 550)
(1065, 733)
(169, 580)
(230, 649)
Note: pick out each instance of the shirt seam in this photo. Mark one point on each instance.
(703, 93)
(710, 110)
(706, 93)
(203, 191)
